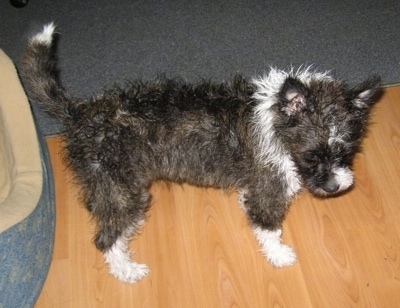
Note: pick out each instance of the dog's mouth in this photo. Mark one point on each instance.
(341, 180)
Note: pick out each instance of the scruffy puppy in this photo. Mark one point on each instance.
(266, 138)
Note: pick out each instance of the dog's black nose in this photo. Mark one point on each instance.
(331, 186)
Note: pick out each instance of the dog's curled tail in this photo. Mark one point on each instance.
(39, 72)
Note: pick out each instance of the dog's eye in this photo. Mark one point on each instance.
(343, 156)
(345, 160)
(312, 158)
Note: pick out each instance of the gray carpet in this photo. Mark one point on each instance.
(108, 41)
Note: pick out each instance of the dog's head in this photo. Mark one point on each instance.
(321, 123)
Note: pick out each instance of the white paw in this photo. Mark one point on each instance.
(278, 254)
(121, 266)
(131, 272)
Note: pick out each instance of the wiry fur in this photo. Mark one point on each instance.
(266, 138)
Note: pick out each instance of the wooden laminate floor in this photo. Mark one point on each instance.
(202, 253)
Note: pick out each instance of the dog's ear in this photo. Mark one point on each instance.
(363, 95)
(293, 97)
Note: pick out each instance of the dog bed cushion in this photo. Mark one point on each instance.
(20, 169)
(26, 196)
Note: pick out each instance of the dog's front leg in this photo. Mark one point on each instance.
(278, 254)
(266, 211)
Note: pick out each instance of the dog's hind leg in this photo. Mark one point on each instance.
(119, 213)
(120, 263)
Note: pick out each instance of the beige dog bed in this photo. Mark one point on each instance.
(20, 167)
(27, 212)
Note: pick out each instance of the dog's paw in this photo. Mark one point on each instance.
(278, 254)
(121, 265)
(130, 272)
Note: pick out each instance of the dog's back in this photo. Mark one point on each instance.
(162, 100)
(187, 130)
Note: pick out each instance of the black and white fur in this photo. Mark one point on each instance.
(267, 138)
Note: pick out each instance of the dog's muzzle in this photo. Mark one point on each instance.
(340, 180)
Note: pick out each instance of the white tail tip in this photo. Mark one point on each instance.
(45, 37)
